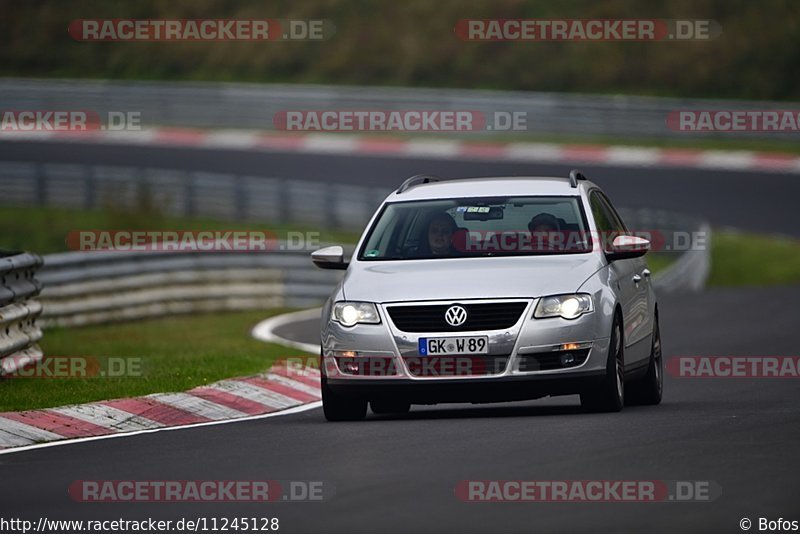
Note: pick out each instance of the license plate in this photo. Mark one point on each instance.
(444, 346)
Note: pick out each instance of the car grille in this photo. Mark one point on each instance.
(446, 366)
(430, 318)
(548, 361)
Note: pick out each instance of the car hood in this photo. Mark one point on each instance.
(468, 278)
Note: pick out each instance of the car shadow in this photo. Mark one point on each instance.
(466, 411)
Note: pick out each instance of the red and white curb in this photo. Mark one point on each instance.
(283, 389)
(358, 145)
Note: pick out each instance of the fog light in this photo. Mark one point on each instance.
(349, 367)
(345, 353)
(567, 359)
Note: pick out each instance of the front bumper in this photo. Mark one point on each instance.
(475, 390)
(512, 379)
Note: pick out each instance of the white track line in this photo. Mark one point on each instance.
(264, 331)
(329, 144)
(533, 152)
(433, 148)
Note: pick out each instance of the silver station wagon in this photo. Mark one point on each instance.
(489, 290)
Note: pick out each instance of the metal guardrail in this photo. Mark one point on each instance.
(98, 287)
(229, 105)
(690, 271)
(221, 196)
(19, 310)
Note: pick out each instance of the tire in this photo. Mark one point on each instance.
(389, 407)
(649, 389)
(338, 407)
(608, 396)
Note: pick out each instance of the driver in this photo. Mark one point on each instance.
(545, 230)
(441, 228)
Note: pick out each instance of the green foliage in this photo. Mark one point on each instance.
(411, 43)
(753, 260)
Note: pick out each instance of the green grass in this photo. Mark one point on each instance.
(44, 229)
(739, 259)
(176, 354)
(658, 261)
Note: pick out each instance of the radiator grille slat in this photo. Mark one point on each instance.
(431, 318)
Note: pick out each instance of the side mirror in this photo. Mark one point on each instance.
(627, 246)
(329, 258)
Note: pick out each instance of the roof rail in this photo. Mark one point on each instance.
(416, 180)
(574, 176)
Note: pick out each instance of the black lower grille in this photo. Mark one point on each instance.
(547, 361)
(431, 318)
(367, 366)
(438, 366)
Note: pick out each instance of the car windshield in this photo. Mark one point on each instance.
(477, 227)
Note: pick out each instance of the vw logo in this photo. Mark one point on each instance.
(455, 315)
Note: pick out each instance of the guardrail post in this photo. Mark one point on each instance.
(88, 187)
(19, 332)
(188, 194)
(285, 202)
(41, 185)
(331, 205)
(240, 197)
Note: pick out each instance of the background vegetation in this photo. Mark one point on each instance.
(386, 42)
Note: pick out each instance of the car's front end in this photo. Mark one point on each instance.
(517, 339)
(520, 304)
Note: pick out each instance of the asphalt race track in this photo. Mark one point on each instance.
(764, 202)
(398, 474)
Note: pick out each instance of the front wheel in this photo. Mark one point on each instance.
(609, 394)
(337, 407)
(649, 389)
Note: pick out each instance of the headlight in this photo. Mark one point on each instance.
(566, 306)
(352, 313)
